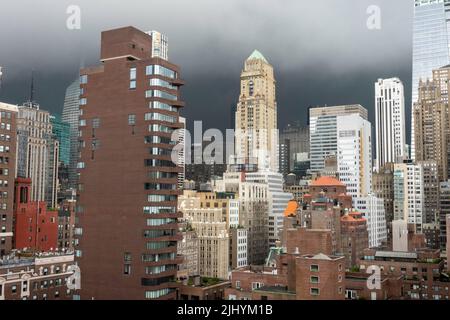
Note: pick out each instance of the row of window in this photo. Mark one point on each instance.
(162, 106)
(160, 71)
(160, 222)
(160, 186)
(5, 115)
(160, 128)
(158, 293)
(161, 83)
(6, 126)
(162, 175)
(159, 233)
(161, 198)
(158, 257)
(160, 117)
(159, 210)
(160, 152)
(4, 160)
(4, 148)
(160, 94)
(161, 245)
(160, 269)
(5, 137)
(159, 163)
(159, 140)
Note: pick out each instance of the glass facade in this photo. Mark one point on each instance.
(323, 140)
(61, 131)
(70, 115)
(430, 44)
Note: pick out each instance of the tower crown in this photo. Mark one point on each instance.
(258, 56)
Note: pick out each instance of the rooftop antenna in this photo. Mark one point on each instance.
(32, 87)
(31, 103)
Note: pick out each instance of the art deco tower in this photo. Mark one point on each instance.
(256, 115)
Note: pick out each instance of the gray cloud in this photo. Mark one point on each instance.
(322, 51)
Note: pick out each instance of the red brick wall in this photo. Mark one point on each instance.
(331, 279)
(35, 227)
(309, 241)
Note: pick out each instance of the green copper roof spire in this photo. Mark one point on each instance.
(257, 55)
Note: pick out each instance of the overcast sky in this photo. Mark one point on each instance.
(322, 51)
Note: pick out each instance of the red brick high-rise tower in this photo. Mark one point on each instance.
(127, 228)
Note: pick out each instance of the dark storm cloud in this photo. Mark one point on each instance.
(322, 51)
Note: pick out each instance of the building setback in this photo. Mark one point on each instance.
(128, 185)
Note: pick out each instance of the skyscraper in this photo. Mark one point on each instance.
(323, 131)
(431, 127)
(256, 116)
(128, 184)
(70, 115)
(37, 153)
(372, 209)
(354, 154)
(390, 121)
(444, 212)
(409, 194)
(61, 131)
(345, 133)
(8, 147)
(298, 136)
(430, 45)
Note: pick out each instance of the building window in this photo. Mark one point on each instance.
(133, 74)
(95, 123)
(131, 119)
(314, 279)
(133, 78)
(83, 79)
(315, 291)
(127, 269)
(238, 284)
(314, 268)
(14, 289)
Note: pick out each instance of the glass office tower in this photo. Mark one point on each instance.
(70, 115)
(430, 44)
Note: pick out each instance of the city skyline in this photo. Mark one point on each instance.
(124, 191)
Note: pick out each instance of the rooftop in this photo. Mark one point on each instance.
(291, 208)
(274, 289)
(327, 182)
